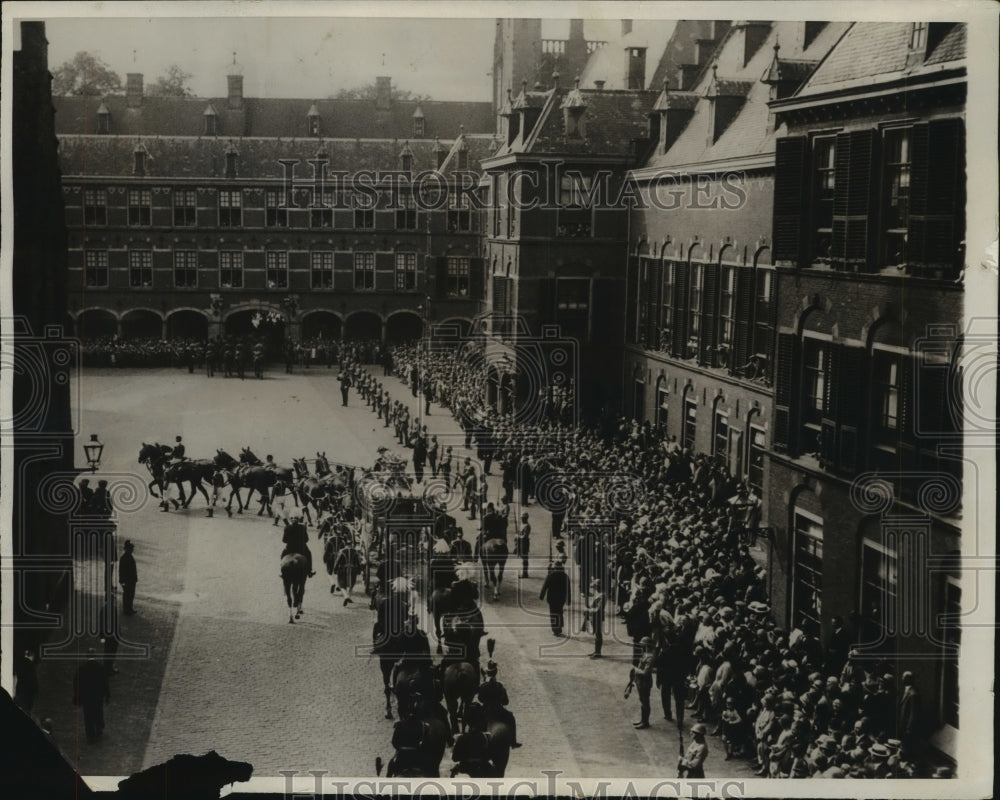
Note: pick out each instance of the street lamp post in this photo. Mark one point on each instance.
(93, 450)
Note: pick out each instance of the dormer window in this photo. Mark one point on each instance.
(463, 158)
(574, 109)
(103, 119)
(406, 158)
(313, 120)
(418, 124)
(211, 122)
(918, 37)
(139, 160)
(232, 156)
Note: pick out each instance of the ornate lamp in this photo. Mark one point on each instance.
(93, 450)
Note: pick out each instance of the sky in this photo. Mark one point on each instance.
(446, 59)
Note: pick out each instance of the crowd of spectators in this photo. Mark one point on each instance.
(119, 351)
(666, 535)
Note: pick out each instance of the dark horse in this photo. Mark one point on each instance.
(193, 471)
(494, 555)
(156, 457)
(294, 573)
(419, 739)
(395, 636)
(462, 628)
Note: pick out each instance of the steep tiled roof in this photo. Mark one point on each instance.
(478, 147)
(612, 120)
(189, 157)
(751, 132)
(871, 52)
(182, 116)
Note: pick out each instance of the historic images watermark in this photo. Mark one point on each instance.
(552, 187)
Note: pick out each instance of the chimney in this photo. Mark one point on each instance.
(383, 92)
(599, 85)
(626, 27)
(34, 45)
(133, 89)
(235, 91)
(635, 68)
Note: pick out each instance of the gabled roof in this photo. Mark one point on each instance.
(204, 157)
(264, 117)
(476, 146)
(878, 52)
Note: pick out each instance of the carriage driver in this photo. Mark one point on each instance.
(296, 540)
(178, 452)
(493, 696)
(269, 463)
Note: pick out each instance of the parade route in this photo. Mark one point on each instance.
(227, 672)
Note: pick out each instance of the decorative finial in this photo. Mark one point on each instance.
(234, 58)
(576, 83)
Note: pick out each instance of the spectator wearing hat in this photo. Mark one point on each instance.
(732, 729)
(594, 614)
(692, 763)
(128, 577)
(642, 673)
(91, 691)
(522, 543)
(85, 503)
(909, 716)
(555, 589)
(673, 664)
(101, 503)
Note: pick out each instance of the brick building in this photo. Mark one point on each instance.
(194, 216)
(865, 466)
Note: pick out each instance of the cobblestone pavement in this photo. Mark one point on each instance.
(227, 671)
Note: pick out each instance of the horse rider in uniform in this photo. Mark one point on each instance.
(407, 740)
(644, 680)
(296, 540)
(493, 697)
(177, 454)
(460, 548)
(269, 463)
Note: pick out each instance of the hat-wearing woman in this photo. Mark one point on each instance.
(692, 763)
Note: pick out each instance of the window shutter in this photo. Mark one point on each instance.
(678, 340)
(744, 307)
(441, 277)
(850, 406)
(831, 392)
(477, 278)
(500, 295)
(790, 182)
(936, 222)
(631, 307)
(786, 391)
(710, 316)
(907, 423)
(852, 199)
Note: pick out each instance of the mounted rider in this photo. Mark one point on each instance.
(493, 697)
(177, 453)
(408, 740)
(472, 748)
(295, 539)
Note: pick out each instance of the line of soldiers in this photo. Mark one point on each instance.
(231, 356)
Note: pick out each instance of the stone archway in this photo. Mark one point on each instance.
(95, 323)
(254, 324)
(403, 326)
(363, 325)
(187, 324)
(322, 324)
(142, 323)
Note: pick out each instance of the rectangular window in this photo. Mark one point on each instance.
(230, 208)
(186, 269)
(321, 209)
(140, 269)
(721, 435)
(574, 213)
(694, 309)
(727, 314)
(824, 182)
(807, 577)
(458, 276)
(231, 269)
(755, 467)
(185, 208)
(762, 331)
(364, 218)
(573, 307)
(459, 214)
(275, 209)
(418, 127)
(277, 269)
(662, 407)
(406, 217)
(918, 37)
(95, 207)
(140, 206)
(406, 271)
(815, 367)
(96, 272)
(879, 585)
(495, 205)
(322, 269)
(364, 271)
(690, 423)
(667, 305)
(896, 203)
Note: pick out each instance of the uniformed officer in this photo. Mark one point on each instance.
(296, 540)
(644, 680)
(178, 452)
(493, 697)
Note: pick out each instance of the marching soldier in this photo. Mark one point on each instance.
(644, 681)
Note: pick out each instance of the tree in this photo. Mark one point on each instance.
(370, 91)
(171, 84)
(85, 74)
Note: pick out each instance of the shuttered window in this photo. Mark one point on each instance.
(855, 179)
(789, 189)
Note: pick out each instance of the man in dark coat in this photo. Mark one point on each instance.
(128, 577)
(673, 664)
(345, 385)
(414, 380)
(419, 456)
(493, 697)
(91, 691)
(555, 589)
(637, 623)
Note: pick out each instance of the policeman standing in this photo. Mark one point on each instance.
(644, 681)
(345, 385)
(128, 576)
